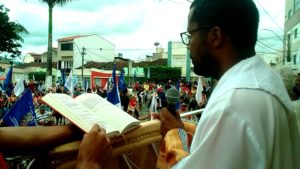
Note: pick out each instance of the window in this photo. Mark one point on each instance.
(296, 32)
(67, 47)
(59, 65)
(68, 64)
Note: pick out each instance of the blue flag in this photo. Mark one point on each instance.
(86, 85)
(63, 76)
(177, 85)
(122, 85)
(112, 89)
(22, 109)
(63, 79)
(7, 84)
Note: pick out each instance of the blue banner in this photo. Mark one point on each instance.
(23, 109)
(112, 89)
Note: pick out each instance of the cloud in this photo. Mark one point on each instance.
(133, 26)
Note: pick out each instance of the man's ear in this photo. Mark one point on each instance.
(215, 36)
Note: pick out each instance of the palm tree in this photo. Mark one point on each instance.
(51, 4)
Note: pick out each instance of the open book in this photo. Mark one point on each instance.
(89, 109)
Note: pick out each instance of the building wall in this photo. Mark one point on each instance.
(98, 49)
(54, 56)
(179, 57)
(28, 58)
(65, 56)
(292, 29)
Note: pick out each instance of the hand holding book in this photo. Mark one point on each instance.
(89, 109)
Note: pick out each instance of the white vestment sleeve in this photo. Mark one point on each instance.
(226, 143)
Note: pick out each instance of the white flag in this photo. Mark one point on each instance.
(199, 91)
(48, 82)
(19, 88)
(153, 105)
(69, 83)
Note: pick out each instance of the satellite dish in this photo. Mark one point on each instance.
(156, 44)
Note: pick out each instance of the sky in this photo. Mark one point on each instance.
(132, 25)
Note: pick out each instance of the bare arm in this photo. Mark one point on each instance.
(33, 139)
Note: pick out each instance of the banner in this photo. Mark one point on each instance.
(7, 84)
(122, 85)
(19, 88)
(70, 83)
(23, 109)
(113, 95)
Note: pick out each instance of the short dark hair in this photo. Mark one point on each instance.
(237, 18)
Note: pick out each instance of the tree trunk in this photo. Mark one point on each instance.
(49, 53)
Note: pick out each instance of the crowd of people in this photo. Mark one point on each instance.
(138, 99)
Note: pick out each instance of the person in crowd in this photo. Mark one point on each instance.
(296, 88)
(132, 107)
(43, 118)
(124, 99)
(31, 86)
(168, 85)
(289, 80)
(59, 119)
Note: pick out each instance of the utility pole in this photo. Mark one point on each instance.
(284, 49)
(82, 54)
(288, 57)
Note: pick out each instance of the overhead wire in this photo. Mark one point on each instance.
(269, 15)
(268, 46)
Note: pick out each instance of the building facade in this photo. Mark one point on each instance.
(54, 55)
(178, 56)
(292, 33)
(75, 51)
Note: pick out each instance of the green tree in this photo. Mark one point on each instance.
(10, 34)
(163, 73)
(51, 4)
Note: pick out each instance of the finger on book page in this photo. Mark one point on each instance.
(95, 128)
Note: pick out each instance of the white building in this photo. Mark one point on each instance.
(54, 55)
(32, 57)
(96, 49)
(159, 54)
(178, 56)
(292, 33)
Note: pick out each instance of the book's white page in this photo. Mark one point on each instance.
(112, 114)
(88, 100)
(77, 113)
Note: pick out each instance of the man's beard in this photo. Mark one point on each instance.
(207, 66)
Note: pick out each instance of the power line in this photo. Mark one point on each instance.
(102, 56)
(134, 49)
(269, 46)
(269, 14)
(264, 48)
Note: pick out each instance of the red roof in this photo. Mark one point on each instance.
(71, 38)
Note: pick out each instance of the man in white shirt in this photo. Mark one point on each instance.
(248, 122)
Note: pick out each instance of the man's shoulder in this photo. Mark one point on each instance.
(242, 102)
